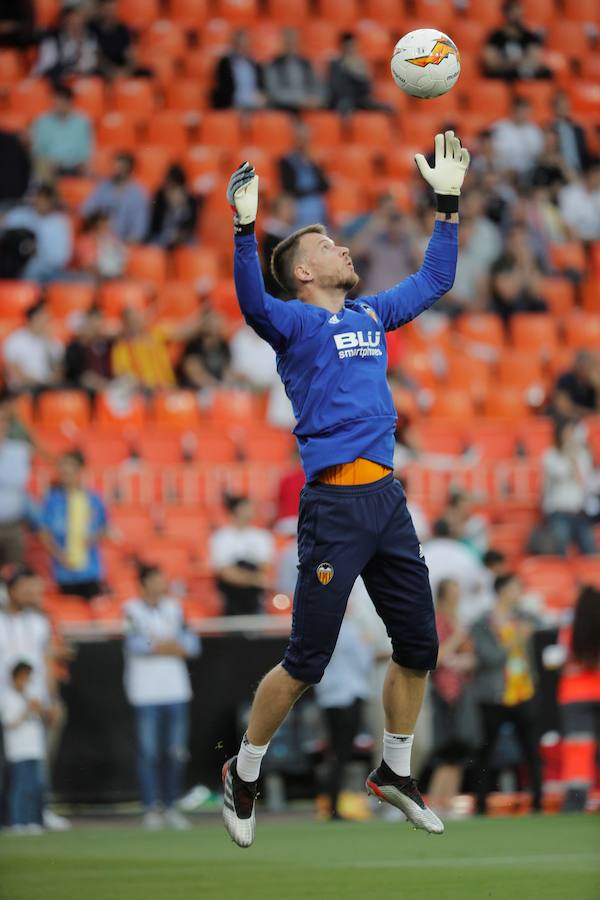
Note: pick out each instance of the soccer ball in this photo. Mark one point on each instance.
(425, 63)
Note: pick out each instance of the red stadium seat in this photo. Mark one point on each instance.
(17, 296)
(115, 296)
(89, 96)
(353, 162)
(230, 405)
(74, 191)
(172, 558)
(494, 441)
(441, 436)
(215, 448)
(467, 373)
(202, 166)
(490, 96)
(58, 408)
(134, 523)
(345, 200)
(535, 435)
(383, 11)
(539, 94)
(165, 38)
(590, 294)
(224, 299)
(177, 300)
(519, 370)
(105, 450)
(66, 298)
(587, 570)
(268, 448)
(197, 266)
(175, 410)
(568, 257)
(568, 37)
(320, 38)
(147, 264)
(186, 95)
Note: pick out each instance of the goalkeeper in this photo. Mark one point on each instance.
(331, 356)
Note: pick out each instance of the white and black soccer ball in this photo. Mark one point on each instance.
(425, 63)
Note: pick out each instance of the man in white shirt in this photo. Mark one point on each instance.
(579, 203)
(449, 558)
(157, 685)
(517, 141)
(31, 356)
(239, 555)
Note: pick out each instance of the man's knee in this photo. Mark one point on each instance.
(304, 673)
(419, 658)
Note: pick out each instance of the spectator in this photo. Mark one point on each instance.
(349, 80)
(466, 525)
(15, 470)
(15, 171)
(448, 558)
(174, 211)
(290, 79)
(52, 231)
(277, 226)
(99, 251)
(87, 357)
(74, 521)
(115, 41)
(70, 49)
(206, 357)
(253, 361)
(17, 23)
(341, 695)
(514, 51)
(123, 199)
(157, 685)
(304, 180)
(454, 714)
(31, 356)
(571, 136)
(579, 203)
(517, 141)
(566, 469)
(238, 79)
(239, 555)
(577, 391)
(387, 248)
(550, 169)
(578, 655)
(469, 291)
(511, 292)
(24, 748)
(140, 355)
(62, 138)
(504, 684)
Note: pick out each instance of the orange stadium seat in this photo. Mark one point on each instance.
(471, 36)
(186, 95)
(535, 333)
(345, 14)
(551, 577)
(189, 14)
(138, 14)
(172, 558)
(287, 12)
(371, 129)
(582, 330)
(489, 14)
(151, 164)
(590, 294)
(221, 128)
(325, 128)
(177, 300)
(160, 449)
(74, 190)
(265, 41)
(116, 131)
(11, 66)
(66, 298)
(489, 96)
(539, 94)
(481, 328)
(559, 295)
(440, 436)
(585, 98)
(384, 11)
(268, 448)
(58, 408)
(202, 166)
(89, 96)
(215, 448)
(165, 38)
(320, 38)
(353, 162)
(167, 129)
(31, 97)
(196, 265)
(115, 296)
(134, 96)
(467, 373)
(17, 296)
(134, 523)
(535, 435)
(186, 526)
(345, 200)
(493, 440)
(14, 122)
(111, 412)
(568, 37)
(175, 410)
(237, 12)
(587, 570)
(581, 11)
(273, 130)
(233, 405)
(224, 299)
(505, 403)
(452, 404)
(147, 264)
(538, 12)
(104, 449)
(520, 370)
(569, 256)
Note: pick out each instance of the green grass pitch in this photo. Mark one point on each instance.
(554, 858)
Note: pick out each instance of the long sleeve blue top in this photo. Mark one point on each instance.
(334, 366)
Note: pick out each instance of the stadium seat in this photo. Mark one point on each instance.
(165, 38)
(506, 403)
(534, 333)
(175, 410)
(115, 296)
(30, 97)
(287, 12)
(66, 298)
(587, 570)
(188, 527)
(371, 129)
(345, 200)
(224, 299)
(221, 128)
(138, 14)
(151, 164)
(104, 449)
(189, 14)
(581, 11)
(177, 300)
(494, 441)
(383, 11)
(551, 577)
(271, 129)
(265, 41)
(124, 414)
(582, 330)
(585, 98)
(452, 404)
(535, 435)
(202, 166)
(538, 13)
(590, 294)
(134, 97)
(172, 558)
(319, 39)
(268, 448)
(468, 373)
(197, 266)
(569, 257)
(186, 95)
(568, 37)
(89, 96)
(74, 190)
(440, 436)
(11, 67)
(559, 295)
(492, 96)
(325, 128)
(519, 370)
(17, 296)
(233, 405)
(239, 13)
(353, 162)
(539, 94)
(345, 15)
(159, 449)
(219, 449)
(116, 131)
(147, 264)
(167, 129)
(134, 523)
(56, 409)
(481, 328)
(14, 122)
(472, 39)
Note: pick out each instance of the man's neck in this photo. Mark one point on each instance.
(333, 301)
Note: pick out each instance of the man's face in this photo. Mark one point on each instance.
(62, 105)
(69, 472)
(155, 585)
(121, 168)
(42, 203)
(514, 14)
(39, 324)
(243, 514)
(512, 592)
(521, 113)
(23, 591)
(321, 262)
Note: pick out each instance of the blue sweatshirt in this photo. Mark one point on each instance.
(334, 366)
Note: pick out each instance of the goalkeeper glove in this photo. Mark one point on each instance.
(242, 194)
(449, 170)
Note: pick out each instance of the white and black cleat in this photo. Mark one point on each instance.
(403, 793)
(238, 805)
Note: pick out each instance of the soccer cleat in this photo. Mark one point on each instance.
(403, 793)
(238, 805)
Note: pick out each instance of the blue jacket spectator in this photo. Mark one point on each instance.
(51, 230)
(73, 521)
(62, 139)
(123, 199)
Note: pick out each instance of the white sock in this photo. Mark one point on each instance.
(249, 759)
(396, 751)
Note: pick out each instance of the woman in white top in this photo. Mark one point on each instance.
(158, 686)
(567, 467)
